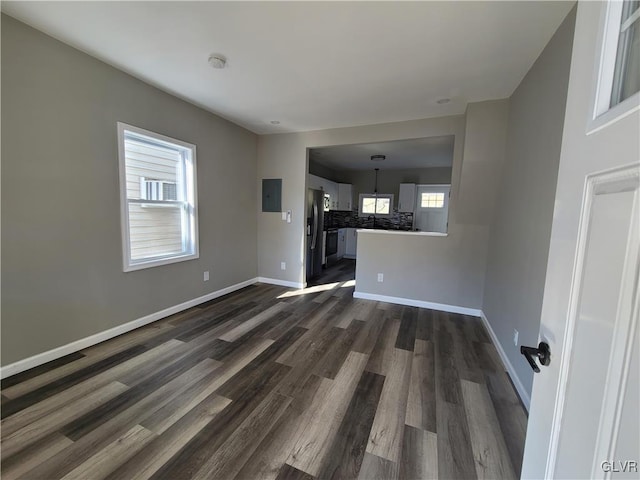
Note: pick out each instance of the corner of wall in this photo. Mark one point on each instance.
(511, 371)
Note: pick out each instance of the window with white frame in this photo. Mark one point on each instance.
(380, 205)
(617, 91)
(158, 198)
(626, 73)
(432, 200)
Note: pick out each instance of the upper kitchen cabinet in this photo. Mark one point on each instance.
(345, 196)
(407, 197)
(315, 182)
(332, 190)
(327, 186)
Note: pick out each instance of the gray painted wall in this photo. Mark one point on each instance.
(484, 149)
(521, 228)
(446, 270)
(62, 276)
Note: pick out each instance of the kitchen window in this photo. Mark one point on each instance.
(379, 205)
(158, 198)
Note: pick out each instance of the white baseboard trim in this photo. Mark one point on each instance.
(419, 303)
(524, 395)
(42, 358)
(282, 283)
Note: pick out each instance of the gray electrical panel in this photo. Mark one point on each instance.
(271, 194)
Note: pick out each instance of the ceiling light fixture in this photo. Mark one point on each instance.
(442, 101)
(217, 61)
(378, 158)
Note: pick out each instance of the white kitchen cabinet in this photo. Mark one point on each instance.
(351, 243)
(345, 196)
(332, 190)
(315, 182)
(407, 197)
(327, 186)
(342, 242)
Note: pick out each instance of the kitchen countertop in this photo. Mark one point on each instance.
(401, 232)
(392, 229)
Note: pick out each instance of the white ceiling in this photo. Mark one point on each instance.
(401, 154)
(311, 65)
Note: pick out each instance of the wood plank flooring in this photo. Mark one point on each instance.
(272, 383)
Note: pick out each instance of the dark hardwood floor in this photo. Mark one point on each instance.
(270, 382)
(341, 271)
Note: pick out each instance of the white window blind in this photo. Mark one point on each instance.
(158, 197)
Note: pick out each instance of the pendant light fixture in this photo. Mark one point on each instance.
(375, 187)
(375, 195)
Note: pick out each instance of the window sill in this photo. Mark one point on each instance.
(618, 112)
(159, 262)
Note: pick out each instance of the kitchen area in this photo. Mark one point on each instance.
(392, 187)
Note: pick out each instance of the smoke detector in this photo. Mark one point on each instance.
(217, 61)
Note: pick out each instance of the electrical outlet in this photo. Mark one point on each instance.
(515, 337)
(283, 265)
(380, 277)
(206, 276)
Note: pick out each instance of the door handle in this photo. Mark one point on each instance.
(542, 353)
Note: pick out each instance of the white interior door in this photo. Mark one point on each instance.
(432, 208)
(584, 420)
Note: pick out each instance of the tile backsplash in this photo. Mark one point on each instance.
(350, 219)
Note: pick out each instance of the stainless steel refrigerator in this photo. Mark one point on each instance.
(315, 226)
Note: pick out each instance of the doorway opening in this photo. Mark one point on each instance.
(379, 186)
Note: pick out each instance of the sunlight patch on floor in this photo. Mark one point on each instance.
(306, 291)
